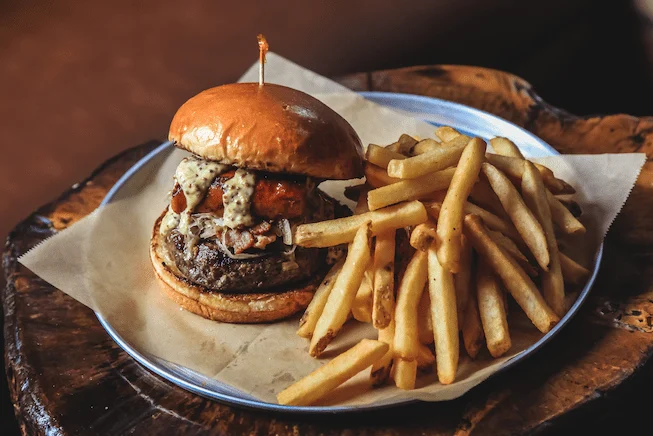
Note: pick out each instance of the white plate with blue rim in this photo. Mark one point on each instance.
(470, 121)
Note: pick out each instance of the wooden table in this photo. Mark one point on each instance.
(67, 376)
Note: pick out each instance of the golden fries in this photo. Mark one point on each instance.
(520, 286)
(463, 280)
(405, 373)
(316, 306)
(423, 235)
(325, 379)
(473, 336)
(361, 308)
(562, 217)
(490, 220)
(383, 298)
(522, 218)
(483, 195)
(444, 318)
(425, 357)
(426, 163)
(344, 290)
(342, 230)
(473, 233)
(511, 248)
(382, 368)
(505, 147)
(493, 312)
(378, 177)
(408, 295)
(514, 167)
(424, 323)
(534, 194)
(572, 272)
(451, 216)
(381, 156)
(446, 134)
(409, 189)
(425, 146)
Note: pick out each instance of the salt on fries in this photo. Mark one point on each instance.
(481, 225)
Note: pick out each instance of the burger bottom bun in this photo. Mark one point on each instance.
(232, 308)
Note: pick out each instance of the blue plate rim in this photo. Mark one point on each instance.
(261, 405)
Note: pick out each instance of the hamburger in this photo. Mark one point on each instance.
(223, 247)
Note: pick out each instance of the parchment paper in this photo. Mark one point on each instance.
(103, 262)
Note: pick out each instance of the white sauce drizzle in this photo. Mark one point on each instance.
(194, 176)
(237, 198)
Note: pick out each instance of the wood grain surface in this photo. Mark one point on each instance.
(67, 376)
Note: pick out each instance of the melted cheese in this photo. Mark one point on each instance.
(194, 176)
(237, 199)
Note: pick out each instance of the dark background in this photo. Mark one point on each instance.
(81, 81)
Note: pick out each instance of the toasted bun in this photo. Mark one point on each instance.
(233, 308)
(269, 128)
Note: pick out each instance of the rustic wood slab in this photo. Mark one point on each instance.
(66, 376)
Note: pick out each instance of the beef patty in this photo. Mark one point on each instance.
(210, 267)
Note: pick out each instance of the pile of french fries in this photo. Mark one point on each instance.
(481, 225)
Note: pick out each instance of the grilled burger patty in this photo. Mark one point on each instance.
(214, 270)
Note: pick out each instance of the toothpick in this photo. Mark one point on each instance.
(262, 49)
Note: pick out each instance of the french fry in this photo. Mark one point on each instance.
(361, 308)
(513, 277)
(382, 367)
(446, 134)
(473, 336)
(493, 312)
(405, 373)
(424, 323)
(490, 220)
(381, 156)
(505, 147)
(406, 143)
(444, 318)
(562, 217)
(436, 160)
(423, 235)
(511, 248)
(425, 146)
(377, 176)
(395, 146)
(339, 303)
(316, 306)
(409, 189)
(361, 203)
(342, 230)
(408, 295)
(534, 194)
(325, 379)
(383, 299)
(572, 272)
(523, 219)
(425, 357)
(513, 167)
(483, 195)
(463, 280)
(451, 216)
(570, 204)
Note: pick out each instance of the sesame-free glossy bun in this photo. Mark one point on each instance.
(269, 128)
